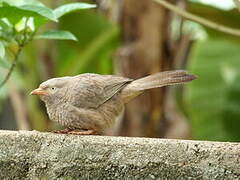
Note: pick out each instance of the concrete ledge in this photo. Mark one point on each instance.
(35, 155)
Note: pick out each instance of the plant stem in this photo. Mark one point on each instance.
(200, 20)
(21, 44)
(12, 66)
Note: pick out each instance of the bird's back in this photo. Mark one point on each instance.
(93, 90)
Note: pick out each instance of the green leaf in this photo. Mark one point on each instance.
(22, 2)
(67, 8)
(16, 13)
(41, 10)
(2, 50)
(4, 25)
(60, 35)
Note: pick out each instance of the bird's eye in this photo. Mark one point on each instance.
(53, 88)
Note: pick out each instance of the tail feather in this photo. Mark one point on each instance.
(154, 81)
(161, 75)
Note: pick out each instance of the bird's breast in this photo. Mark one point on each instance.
(58, 113)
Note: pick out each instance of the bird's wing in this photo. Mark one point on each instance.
(92, 90)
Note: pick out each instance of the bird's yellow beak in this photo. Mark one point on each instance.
(38, 91)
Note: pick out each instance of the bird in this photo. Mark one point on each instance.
(89, 103)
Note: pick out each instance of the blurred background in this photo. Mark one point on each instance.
(136, 38)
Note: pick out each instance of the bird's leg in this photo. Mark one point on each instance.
(82, 132)
(64, 131)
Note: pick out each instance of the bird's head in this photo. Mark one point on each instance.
(53, 90)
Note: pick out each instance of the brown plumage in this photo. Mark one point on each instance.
(90, 103)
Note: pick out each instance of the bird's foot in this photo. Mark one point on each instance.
(64, 131)
(82, 132)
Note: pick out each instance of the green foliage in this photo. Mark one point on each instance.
(63, 35)
(68, 8)
(97, 39)
(2, 50)
(228, 18)
(214, 99)
(22, 2)
(20, 21)
(15, 13)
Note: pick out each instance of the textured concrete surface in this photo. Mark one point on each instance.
(35, 155)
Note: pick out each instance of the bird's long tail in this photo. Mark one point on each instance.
(154, 81)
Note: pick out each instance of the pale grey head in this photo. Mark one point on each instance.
(53, 90)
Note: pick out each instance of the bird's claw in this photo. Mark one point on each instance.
(82, 132)
(76, 132)
(64, 131)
